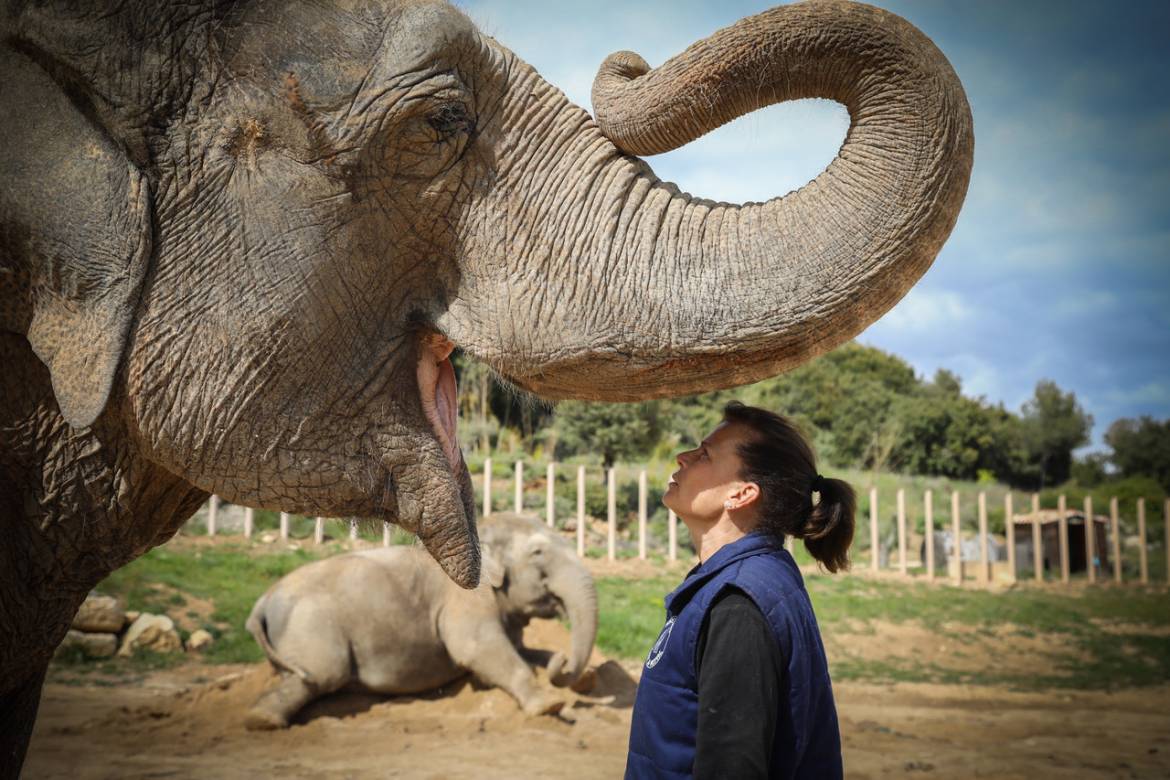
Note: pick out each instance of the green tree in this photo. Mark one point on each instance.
(612, 430)
(1141, 447)
(947, 434)
(1054, 425)
(1089, 471)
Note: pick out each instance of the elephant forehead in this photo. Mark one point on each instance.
(342, 53)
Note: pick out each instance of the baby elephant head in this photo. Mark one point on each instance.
(536, 574)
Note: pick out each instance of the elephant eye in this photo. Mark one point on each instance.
(449, 119)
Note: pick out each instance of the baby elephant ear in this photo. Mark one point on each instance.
(74, 234)
(491, 570)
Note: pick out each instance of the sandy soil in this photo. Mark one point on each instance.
(187, 722)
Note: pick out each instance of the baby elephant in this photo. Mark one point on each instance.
(390, 621)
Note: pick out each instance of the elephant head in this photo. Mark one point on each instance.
(248, 237)
(536, 574)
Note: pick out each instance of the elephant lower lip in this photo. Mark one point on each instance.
(439, 395)
(446, 405)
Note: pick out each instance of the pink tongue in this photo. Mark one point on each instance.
(445, 405)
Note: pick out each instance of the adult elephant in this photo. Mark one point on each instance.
(238, 242)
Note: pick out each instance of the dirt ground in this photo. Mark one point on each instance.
(187, 722)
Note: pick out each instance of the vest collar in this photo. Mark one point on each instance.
(752, 544)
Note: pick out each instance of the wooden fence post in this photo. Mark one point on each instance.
(611, 513)
(319, 530)
(672, 524)
(249, 522)
(580, 511)
(212, 514)
(1037, 541)
(353, 534)
(1062, 531)
(1115, 527)
(519, 502)
(1090, 540)
(957, 532)
(642, 514)
(550, 495)
(984, 563)
(487, 486)
(1009, 528)
(901, 499)
(284, 525)
(385, 534)
(928, 527)
(1143, 554)
(874, 562)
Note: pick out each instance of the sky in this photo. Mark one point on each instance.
(1059, 265)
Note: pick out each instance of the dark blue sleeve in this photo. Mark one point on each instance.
(740, 669)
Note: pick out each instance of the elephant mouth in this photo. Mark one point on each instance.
(439, 394)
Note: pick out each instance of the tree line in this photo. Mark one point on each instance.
(861, 407)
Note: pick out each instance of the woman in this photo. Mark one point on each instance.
(737, 684)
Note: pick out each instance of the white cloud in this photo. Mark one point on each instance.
(925, 310)
(1079, 303)
(1149, 394)
(761, 155)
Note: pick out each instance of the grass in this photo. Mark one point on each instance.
(232, 576)
(632, 614)
(227, 575)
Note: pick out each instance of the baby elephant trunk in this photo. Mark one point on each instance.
(573, 585)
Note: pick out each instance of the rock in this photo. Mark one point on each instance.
(151, 632)
(99, 615)
(199, 640)
(132, 615)
(229, 519)
(268, 537)
(93, 645)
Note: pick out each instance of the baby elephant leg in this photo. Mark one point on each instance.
(276, 707)
(489, 655)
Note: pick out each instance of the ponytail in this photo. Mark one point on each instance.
(778, 458)
(828, 529)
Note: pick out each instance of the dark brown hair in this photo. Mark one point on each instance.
(778, 458)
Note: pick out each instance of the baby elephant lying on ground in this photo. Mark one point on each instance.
(390, 621)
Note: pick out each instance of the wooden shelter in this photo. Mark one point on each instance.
(1050, 539)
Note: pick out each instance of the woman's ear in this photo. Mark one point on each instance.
(744, 495)
(75, 234)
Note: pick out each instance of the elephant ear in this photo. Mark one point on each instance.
(491, 570)
(75, 232)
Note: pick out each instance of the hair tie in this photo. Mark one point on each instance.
(818, 483)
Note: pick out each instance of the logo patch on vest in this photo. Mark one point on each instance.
(660, 646)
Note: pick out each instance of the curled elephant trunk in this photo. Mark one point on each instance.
(573, 585)
(643, 291)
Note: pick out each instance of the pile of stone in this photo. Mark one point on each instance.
(102, 628)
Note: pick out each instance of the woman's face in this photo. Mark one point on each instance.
(708, 475)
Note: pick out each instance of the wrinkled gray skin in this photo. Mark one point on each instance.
(238, 239)
(390, 621)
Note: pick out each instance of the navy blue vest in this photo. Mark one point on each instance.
(666, 709)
